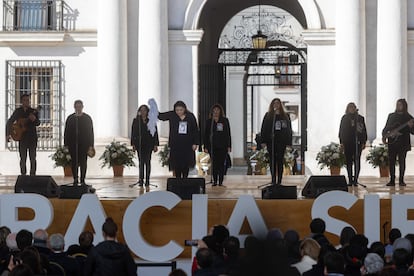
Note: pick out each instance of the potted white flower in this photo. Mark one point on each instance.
(332, 157)
(117, 155)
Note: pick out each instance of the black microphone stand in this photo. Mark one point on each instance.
(271, 155)
(357, 154)
(211, 149)
(77, 145)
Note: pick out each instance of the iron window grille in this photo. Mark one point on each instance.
(43, 81)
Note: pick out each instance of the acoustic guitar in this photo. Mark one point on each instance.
(19, 127)
(392, 135)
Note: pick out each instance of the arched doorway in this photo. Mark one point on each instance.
(214, 66)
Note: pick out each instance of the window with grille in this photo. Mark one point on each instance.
(42, 80)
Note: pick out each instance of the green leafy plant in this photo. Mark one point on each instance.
(289, 157)
(117, 153)
(164, 155)
(331, 155)
(61, 157)
(260, 157)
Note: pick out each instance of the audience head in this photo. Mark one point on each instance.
(334, 263)
(221, 233)
(21, 270)
(40, 237)
(177, 272)
(86, 239)
(317, 226)
(232, 246)
(291, 236)
(57, 242)
(373, 263)
(401, 258)
(31, 257)
(24, 239)
(204, 257)
(274, 234)
(109, 228)
(310, 247)
(4, 232)
(378, 248)
(393, 235)
(402, 243)
(11, 242)
(347, 234)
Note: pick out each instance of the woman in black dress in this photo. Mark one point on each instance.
(144, 143)
(276, 134)
(352, 136)
(183, 138)
(217, 141)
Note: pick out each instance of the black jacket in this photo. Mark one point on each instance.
(221, 134)
(351, 124)
(395, 120)
(79, 128)
(30, 135)
(141, 137)
(282, 129)
(110, 258)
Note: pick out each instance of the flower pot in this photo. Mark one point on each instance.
(384, 171)
(67, 171)
(335, 170)
(118, 170)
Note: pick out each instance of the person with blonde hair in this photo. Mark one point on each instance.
(309, 250)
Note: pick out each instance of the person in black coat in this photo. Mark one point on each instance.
(183, 138)
(79, 139)
(144, 143)
(217, 141)
(110, 257)
(352, 137)
(276, 134)
(398, 141)
(29, 117)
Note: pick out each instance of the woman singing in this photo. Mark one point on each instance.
(144, 143)
(352, 136)
(276, 134)
(183, 138)
(217, 141)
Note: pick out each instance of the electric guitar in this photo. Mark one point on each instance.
(392, 135)
(19, 127)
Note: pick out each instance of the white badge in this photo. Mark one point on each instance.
(182, 127)
(219, 126)
(278, 125)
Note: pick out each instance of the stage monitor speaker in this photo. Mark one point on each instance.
(186, 187)
(279, 192)
(39, 184)
(74, 192)
(317, 185)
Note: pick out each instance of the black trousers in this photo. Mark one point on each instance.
(144, 158)
(219, 158)
(82, 158)
(353, 161)
(181, 172)
(276, 159)
(393, 153)
(25, 146)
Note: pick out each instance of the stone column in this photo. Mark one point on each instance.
(111, 96)
(153, 53)
(350, 56)
(391, 57)
(183, 64)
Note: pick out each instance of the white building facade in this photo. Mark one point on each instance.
(115, 55)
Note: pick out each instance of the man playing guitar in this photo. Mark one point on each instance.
(25, 119)
(396, 134)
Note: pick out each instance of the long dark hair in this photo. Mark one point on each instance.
(219, 106)
(404, 104)
(181, 104)
(348, 106)
(140, 108)
(282, 108)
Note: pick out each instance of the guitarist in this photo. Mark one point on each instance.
(398, 143)
(28, 141)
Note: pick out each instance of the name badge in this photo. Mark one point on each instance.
(220, 127)
(278, 125)
(182, 127)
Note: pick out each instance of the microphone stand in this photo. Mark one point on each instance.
(272, 157)
(77, 145)
(211, 149)
(357, 154)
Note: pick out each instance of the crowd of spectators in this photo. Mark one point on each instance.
(26, 253)
(285, 254)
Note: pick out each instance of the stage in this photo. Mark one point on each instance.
(158, 225)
